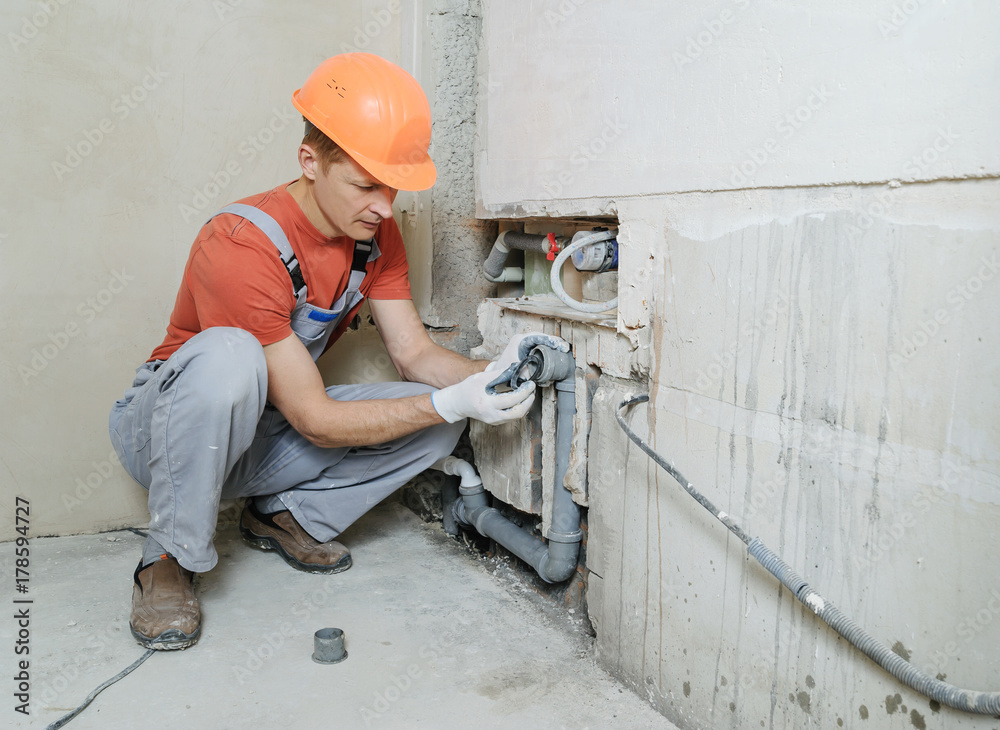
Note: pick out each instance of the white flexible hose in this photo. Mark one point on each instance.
(561, 259)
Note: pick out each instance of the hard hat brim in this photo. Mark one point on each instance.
(413, 177)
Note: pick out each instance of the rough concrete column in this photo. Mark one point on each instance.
(461, 242)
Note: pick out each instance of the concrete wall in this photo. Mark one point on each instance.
(125, 127)
(461, 241)
(810, 230)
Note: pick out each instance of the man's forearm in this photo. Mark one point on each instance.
(440, 367)
(416, 357)
(367, 422)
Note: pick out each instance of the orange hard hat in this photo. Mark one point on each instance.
(377, 113)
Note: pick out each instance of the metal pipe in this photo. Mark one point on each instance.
(556, 560)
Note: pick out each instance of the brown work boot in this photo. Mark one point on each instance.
(165, 612)
(280, 531)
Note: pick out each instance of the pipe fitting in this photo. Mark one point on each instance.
(471, 490)
(328, 646)
(559, 562)
(458, 513)
(556, 560)
(545, 365)
(563, 257)
(456, 467)
(566, 385)
(493, 267)
(557, 536)
(509, 275)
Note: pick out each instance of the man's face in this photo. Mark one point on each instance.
(351, 200)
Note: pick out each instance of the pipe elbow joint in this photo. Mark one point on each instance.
(559, 561)
(454, 466)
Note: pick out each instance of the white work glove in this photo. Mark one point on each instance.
(520, 345)
(470, 399)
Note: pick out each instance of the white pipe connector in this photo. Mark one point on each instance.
(510, 274)
(458, 468)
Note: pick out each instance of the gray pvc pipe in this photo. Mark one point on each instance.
(494, 265)
(565, 533)
(555, 561)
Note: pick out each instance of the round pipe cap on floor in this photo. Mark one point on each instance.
(328, 646)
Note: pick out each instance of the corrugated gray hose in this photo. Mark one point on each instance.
(982, 703)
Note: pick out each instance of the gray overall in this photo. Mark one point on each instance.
(197, 428)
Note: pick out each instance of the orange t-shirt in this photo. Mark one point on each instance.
(234, 276)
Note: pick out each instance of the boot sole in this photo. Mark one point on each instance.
(266, 542)
(169, 640)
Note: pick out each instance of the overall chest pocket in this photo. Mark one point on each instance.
(312, 324)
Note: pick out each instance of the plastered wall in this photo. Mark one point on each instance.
(810, 231)
(125, 126)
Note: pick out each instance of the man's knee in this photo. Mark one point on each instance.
(443, 438)
(228, 363)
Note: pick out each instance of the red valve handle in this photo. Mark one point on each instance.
(553, 248)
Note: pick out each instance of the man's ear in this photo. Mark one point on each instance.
(309, 162)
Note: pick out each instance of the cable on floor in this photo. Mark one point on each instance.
(90, 698)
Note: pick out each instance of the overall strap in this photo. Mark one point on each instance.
(362, 250)
(270, 228)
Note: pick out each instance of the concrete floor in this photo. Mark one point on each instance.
(434, 641)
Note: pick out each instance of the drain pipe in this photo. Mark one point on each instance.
(555, 561)
(494, 268)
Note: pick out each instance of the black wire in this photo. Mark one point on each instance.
(983, 703)
(90, 698)
(704, 501)
(124, 673)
